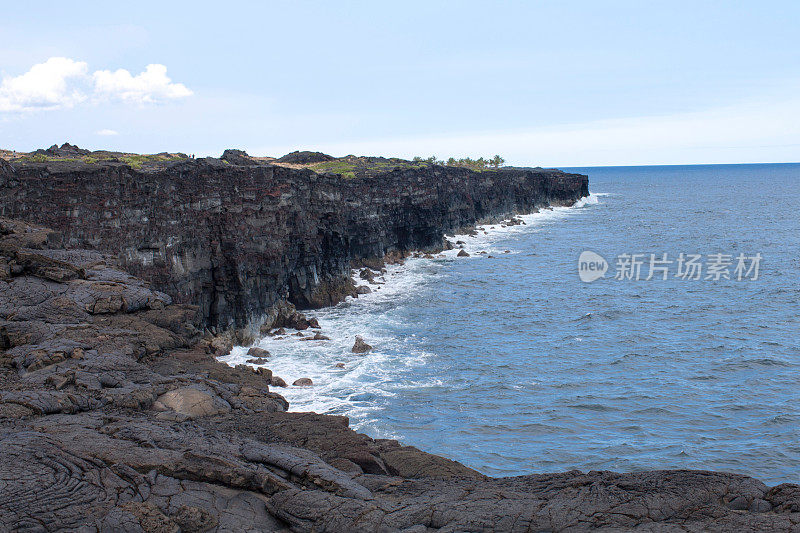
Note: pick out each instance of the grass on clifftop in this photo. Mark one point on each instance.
(351, 166)
(136, 161)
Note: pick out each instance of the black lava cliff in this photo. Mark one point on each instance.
(236, 238)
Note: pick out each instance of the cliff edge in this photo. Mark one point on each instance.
(238, 235)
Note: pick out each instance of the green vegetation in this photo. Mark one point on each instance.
(42, 158)
(136, 161)
(466, 162)
(352, 166)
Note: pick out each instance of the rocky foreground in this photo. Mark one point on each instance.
(116, 416)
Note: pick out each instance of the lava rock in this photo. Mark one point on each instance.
(305, 158)
(193, 403)
(277, 381)
(360, 346)
(255, 351)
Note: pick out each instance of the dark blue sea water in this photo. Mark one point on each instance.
(512, 365)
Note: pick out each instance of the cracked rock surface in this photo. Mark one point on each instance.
(115, 416)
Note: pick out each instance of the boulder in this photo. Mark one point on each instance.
(317, 337)
(220, 346)
(192, 402)
(462, 253)
(366, 274)
(363, 289)
(255, 351)
(257, 361)
(303, 382)
(360, 346)
(277, 381)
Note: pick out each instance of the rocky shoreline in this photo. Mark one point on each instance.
(116, 416)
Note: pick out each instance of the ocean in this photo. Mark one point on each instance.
(511, 364)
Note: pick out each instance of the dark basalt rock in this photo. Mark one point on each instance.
(255, 351)
(65, 150)
(237, 157)
(240, 240)
(360, 346)
(305, 158)
(277, 381)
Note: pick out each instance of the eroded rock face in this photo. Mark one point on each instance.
(238, 238)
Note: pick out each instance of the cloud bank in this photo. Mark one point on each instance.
(151, 86)
(62, 83)
(45, 86)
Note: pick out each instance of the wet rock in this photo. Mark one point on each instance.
(363, 289)
(257, 361)
(277, 381)
(367, 274)
(303, 382)
(317, 337)
(279, 331)
(462, 253)
(339, 365)
(255, 351)
(360, 346)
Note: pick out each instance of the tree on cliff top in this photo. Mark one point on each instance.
(497, 161)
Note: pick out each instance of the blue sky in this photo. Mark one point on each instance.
(551, 83)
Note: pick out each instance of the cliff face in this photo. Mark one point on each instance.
(236, 239)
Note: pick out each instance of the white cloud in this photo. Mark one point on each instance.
(152, 85)
(107, 133)
(47, 85)
(61, 82)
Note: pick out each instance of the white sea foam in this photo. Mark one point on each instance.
(367, 381)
